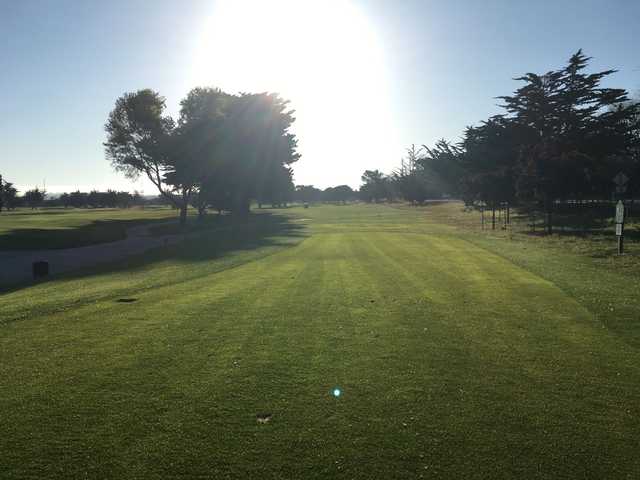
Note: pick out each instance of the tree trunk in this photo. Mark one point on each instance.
(183, 214)
(184, 205)
(548, 204)
(241, 207)
(202, 211)
(493, 218)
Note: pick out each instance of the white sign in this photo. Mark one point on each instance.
(620, 212)
(618, 229)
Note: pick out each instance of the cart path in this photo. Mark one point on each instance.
(15, 266)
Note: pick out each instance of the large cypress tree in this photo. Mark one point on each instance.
(570, 130)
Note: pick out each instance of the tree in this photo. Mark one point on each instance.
(428, 172)
(307, 194)
(34, 198)
(136, 198)
(256, 148)
(65, 200)
(409, 180)
(570, 128)
(78, 199)
(441, 164)
(340, 193)
(195, 144)
(215, 193)
(95, 199)
(488, 159)
(239, 145)
(8, 195)
(375, 186)
(140, 142)
(244, 149)
(122, 199)
(277, 188)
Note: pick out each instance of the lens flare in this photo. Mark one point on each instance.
(336, 392)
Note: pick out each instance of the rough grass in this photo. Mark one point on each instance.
(458, 354)
(53, 228)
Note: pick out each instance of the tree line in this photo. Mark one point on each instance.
(10, 198)
(338, 194)
(97, 199)
(224, 151)
(562, 137)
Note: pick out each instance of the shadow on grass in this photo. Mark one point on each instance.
(210, 239)
(94, 233)
(30, 213)
(579, 221)
(601, 234)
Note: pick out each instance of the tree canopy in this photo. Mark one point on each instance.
(8, 195)
(223, 152)
(562, 136)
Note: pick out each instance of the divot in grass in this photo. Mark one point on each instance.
(263, 418)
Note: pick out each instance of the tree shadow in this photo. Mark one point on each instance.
(568, 220)
(35, 211)
(218, 235)
(93, 233)
(212, 239)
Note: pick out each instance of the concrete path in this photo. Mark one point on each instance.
(16, 266)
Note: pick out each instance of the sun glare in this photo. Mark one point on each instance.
(323, 56)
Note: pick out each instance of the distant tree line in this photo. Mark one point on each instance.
(338, 194)
(562, 137)
(36, 198)
(10, 198)
(96, 199)
(223, 152)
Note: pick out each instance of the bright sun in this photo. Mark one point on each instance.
(323, 56)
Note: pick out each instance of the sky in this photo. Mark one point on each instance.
(367, 78)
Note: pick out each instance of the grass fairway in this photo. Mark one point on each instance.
(53, 228)
(457, 356)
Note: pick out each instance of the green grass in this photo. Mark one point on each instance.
(459, 355)
(53, 228)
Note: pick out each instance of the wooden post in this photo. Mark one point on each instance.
(533, 221)
(620, 244)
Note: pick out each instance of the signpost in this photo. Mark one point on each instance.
(620, 226)
(621, 181)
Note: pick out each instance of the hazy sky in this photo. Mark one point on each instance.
(367, 77)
